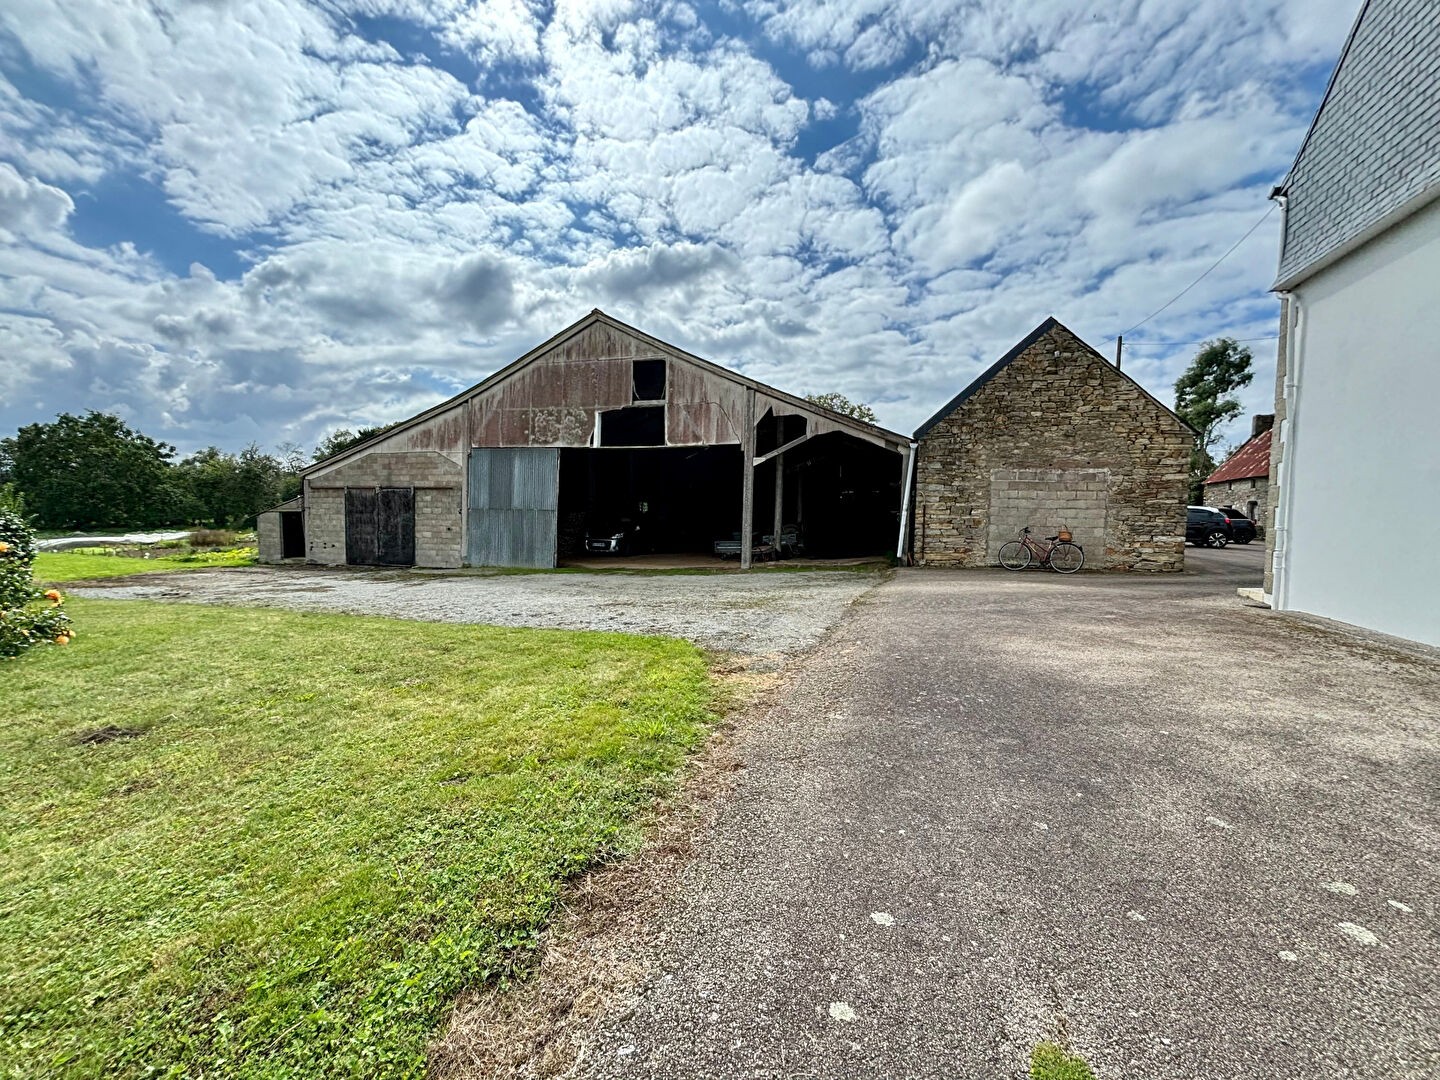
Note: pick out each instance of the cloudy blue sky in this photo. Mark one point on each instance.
(265, 219)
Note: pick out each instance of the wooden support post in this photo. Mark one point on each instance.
(779, 499)
(747, 490)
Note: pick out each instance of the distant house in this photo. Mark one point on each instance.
(1243, 481)
(1358, 372)
(1053, 434)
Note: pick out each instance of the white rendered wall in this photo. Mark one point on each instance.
(1360, 480)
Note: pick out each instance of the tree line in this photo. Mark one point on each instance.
(96, 472)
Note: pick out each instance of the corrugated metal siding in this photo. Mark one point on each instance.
(1375, 144)
(514, 499)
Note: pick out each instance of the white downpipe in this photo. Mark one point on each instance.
(905, 502)
(1294, 351)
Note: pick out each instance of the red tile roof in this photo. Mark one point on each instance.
(1252, 459)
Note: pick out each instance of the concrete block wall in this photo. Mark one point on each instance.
(267, 534)
(1059, 421)
(438, 481)
(1046, 500)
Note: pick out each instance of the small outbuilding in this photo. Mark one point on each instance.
(1243, 481)
(280, 532)
(605, 438)
(1053, 434)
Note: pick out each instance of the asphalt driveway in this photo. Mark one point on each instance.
(1186, 836)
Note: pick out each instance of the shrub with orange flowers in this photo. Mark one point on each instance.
(28, 617)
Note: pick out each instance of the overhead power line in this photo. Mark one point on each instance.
(1129, 345)
(1202, 277)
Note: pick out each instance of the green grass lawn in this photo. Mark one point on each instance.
(313, 833)
(55, 567)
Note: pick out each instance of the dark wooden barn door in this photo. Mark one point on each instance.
(380, 526)
(360, 546)
(395, 527)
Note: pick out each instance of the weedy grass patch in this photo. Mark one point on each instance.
(1048, 1061)
(55, 567)
(258, 843)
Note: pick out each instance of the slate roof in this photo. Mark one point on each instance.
(1024, 343)
(1373, 150)
(1252, 459)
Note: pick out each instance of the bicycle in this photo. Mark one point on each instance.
(1059, 552)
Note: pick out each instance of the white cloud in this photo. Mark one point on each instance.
(408, 229)
(28, 207)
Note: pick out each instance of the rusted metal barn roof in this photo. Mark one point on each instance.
(1252, 459)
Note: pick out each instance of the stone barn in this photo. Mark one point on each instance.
(1243, 481)
(1053, 434)
(603, 438)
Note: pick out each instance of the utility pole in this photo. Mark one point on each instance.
(1119, 348)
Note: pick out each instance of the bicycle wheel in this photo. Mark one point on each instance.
(1066, 558)
(1014, 555)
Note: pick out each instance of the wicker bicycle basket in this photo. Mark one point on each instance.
(1065, 536)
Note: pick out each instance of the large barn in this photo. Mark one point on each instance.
(602, 432)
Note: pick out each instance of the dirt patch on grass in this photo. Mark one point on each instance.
(592, 955)
(101, 735)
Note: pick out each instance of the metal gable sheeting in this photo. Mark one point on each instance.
(550, 397)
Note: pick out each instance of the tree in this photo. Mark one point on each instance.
(344, 438)
(1204, 400)
(840, 403)
(92, 471)
(229, 490)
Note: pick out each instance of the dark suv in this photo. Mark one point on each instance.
(1242, 529)
(1207, 527)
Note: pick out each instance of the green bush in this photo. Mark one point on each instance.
(28, 617)
(212, 538)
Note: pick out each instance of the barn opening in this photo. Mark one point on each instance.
(292, 534)
(662, 501)
(839, 497)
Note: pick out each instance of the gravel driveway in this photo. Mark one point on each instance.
(758, 613)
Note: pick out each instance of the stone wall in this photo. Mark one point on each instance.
(1055, 436)
(1240, 494)
(438, 481)
(1277, 447)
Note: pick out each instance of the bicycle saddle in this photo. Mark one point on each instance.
(1055, 537)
